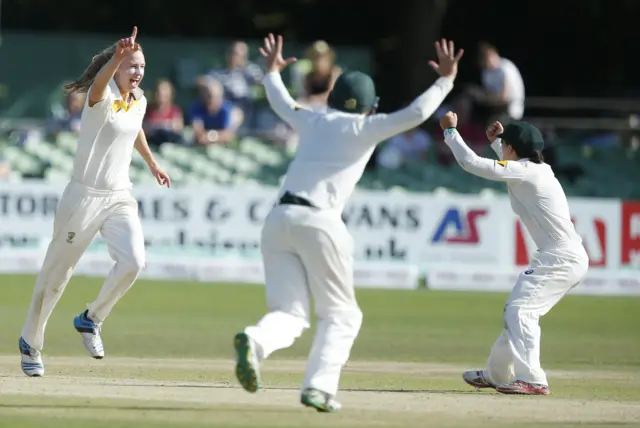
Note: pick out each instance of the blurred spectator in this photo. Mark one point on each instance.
(269, 127)
(238, 79)
(214, 120)
(320, 62)
(316, 88)
(472, 130)
(163, 121)
(66, 118)
(571, 171)
(5, 168)
(502, 94)
(411, 145)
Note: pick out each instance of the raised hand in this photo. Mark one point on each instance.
(272, 51)
(128, 45)
(449, 120)
(447, 65)
(494, 129)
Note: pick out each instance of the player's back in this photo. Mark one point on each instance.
(330, 159)
(542, 205)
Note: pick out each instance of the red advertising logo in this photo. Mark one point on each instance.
(631, 233)
(594, 240)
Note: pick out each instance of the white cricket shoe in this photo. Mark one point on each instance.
(31, 360)
(90, 332)
(319, 400)
(477, 379)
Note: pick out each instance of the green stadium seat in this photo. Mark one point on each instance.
(222, 154)
(67, 142)
(54, 175)
(22, 162)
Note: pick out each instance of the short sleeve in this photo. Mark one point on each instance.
(103, 106)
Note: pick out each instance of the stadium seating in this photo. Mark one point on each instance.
(251, 161)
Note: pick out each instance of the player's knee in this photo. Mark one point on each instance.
(356, 319)
(349, 319)
(516, 314)
(133, 265)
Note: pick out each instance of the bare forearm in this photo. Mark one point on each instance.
(142, 146)
(101, 81)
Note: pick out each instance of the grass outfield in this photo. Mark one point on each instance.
(169, 362)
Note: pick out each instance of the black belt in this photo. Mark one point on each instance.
(291, 199)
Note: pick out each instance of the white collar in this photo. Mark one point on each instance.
(137, 92)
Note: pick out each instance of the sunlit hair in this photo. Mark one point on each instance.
(84, 82)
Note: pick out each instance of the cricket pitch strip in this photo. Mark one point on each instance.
(128, 379)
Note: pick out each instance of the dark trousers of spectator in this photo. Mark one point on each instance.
(487, 107)
(159, 136)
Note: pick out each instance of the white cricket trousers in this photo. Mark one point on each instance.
(308, 252)
(551, 275)
(82, 213)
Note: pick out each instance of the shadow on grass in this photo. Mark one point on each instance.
(378, 390)
(98, 406)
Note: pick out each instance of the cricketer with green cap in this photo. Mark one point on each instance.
(306, 248)
(561, 262)
(353, 92)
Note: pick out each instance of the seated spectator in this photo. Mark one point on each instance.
(238, 79)
(213, 120)
(320, 60)
(163, 121)
(66, 118)
(399, 149)
(316, 88)
(270, 127)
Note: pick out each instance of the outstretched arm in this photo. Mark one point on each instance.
(281, 102)
(277, 93)
(380, 127)
(100, 87)
(482, 167)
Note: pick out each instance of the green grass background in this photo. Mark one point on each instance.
(172, 319)
(196, 320)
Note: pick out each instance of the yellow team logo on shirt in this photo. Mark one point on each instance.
(121, 105)
(351, 103)
(70, 237)
(503, 163)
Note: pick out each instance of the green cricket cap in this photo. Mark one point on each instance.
(353, 92)
(523, 136)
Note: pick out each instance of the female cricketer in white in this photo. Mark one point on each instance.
(97, 199)
(306, 249)
(560, 263)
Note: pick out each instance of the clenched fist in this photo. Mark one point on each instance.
(494, 129)
(449, 120)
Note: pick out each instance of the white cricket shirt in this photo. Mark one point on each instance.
(107, 135)
(334, 147)
(507, 74)
(535, 194)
